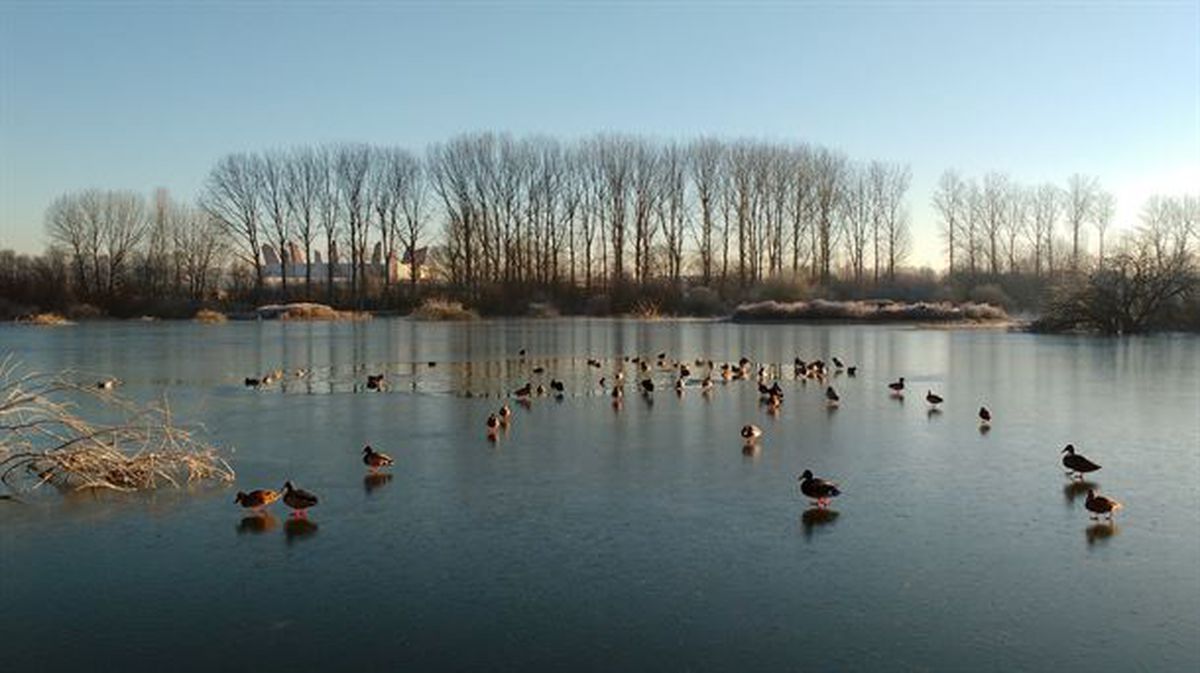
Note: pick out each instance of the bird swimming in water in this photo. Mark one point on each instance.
(539, 370)
(1099, 505)
(898, 386)
(933, 399)
(524, 391)
(505, 415)
(1076, 464)
(852, 371)
(832, 397)
(256, 500)
(647, 386)
(493, 423)
(706, 385)
(818, 489)
(751, 432)
(557, 386)
(374, 381)
(838, 363)
(107, 384)
(375, 460)
(298, 499)
(252, 382)
(985, 416)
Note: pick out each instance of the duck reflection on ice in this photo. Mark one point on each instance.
(376, 480)
(298, 528)
(1100, 532)
(1078, 489)
(816, 517)
(257, 523)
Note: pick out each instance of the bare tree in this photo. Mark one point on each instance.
(950, 201)
(303, 189)
(1080, 203)
(1104, 210)
(705, 163)
(1046, 205)
(352, 164)
(231, 195)
(272, 183)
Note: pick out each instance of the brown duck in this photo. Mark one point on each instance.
(375, 460)
(256, 499)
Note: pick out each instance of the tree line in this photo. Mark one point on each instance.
(534, 216)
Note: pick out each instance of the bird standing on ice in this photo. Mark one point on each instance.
(818, 489)
(1100, 505)
(1076, 464)
(375, 460)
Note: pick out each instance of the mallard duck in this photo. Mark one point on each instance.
(256, 499)
(107, 384)
(818, 489)
(618, 392)
(539, 370)
(298, 499)
(375, 460)
(706, 385)
(852, 371)
(375, 381)
(897, 386)
(985, 416)
(252, 382)
(505, 414)
(933, 399)
(1098, 504)
(493, 423)
(1076, 464)
(557, 386)
(751, 432)
(647, 385)
(838, 363)
(524, 391)
(832, 396)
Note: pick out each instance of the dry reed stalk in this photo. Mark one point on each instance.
(43, 440)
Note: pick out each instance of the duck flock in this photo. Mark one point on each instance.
(701, 373)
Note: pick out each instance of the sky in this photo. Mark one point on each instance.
(139, 95)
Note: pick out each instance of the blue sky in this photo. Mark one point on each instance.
(138, 95)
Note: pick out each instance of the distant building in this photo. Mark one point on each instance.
(397, 270)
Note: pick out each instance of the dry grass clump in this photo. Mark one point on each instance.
(307, 311)
(867, 311)
(443, 309)
(209, 317)
(44, 319)
(646, 309)
(44, 440)
(321, 312)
